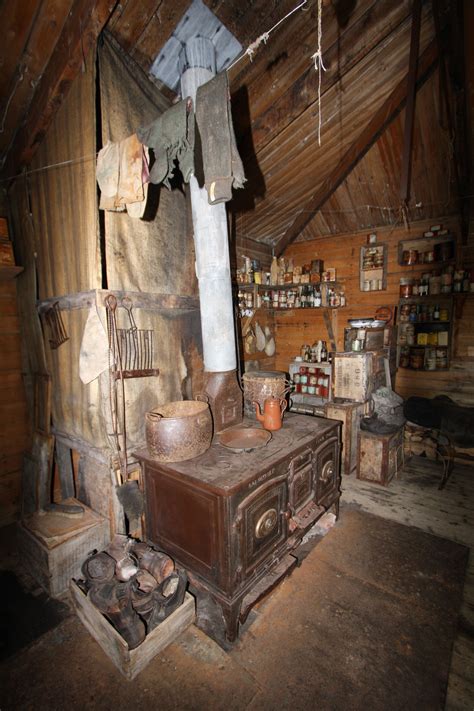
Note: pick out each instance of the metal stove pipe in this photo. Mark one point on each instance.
(197, 66)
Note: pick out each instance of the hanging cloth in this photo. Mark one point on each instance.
(171, 136)
(222, 165)
(122, 172)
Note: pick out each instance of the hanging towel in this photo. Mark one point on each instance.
(94, 354)
(171, 136)
(120, 175)
(222, 165)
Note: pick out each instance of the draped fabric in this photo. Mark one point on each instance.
(56, 239)
(153, 254)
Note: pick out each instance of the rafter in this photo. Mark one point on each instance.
(79, 34)
(370, 134)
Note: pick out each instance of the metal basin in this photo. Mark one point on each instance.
(244, 439)
(179, 430)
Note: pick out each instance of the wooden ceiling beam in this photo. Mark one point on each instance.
(366, 139)
(80, 32)
(411, 99)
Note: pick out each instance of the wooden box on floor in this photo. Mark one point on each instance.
(130, 662)
(380, 456)
(349, 413)
(53, 547)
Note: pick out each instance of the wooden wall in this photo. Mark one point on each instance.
(343, 253)
(13, 411)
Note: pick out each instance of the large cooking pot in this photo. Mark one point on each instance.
(179, 430)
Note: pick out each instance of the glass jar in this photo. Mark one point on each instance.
(406, 288)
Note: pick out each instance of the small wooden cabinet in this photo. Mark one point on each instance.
(373, 267)
(231, 518)
(380, 456)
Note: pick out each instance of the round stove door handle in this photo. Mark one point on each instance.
(327, 471)
(266, 523)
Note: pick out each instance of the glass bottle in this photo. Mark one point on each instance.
(324, 352)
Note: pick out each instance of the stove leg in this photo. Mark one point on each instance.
(231, 616)
(336, 509)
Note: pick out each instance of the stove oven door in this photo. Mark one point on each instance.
(326, 462)
(261, 520)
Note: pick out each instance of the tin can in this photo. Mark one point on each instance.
(311, 390)
(406, 288)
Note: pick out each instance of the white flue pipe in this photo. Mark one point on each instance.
(197, 62)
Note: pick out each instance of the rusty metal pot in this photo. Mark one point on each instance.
(179, 430)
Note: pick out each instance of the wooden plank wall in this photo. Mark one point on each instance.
(13, 411)
(343, 253)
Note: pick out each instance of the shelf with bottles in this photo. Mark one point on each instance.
(311, 379)
(425, 333)
(304, 296)
(449, 281)
(373, 267)
(424, 358)
(436, 246)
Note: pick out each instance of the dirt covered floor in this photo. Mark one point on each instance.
(366, 621)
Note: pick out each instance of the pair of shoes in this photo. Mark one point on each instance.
(168, 596)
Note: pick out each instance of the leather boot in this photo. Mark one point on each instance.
(119, 549)
(98, 568)
(168, 596)
(114, 600)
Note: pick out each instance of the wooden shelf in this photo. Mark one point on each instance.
(425, 244)
(418, 345)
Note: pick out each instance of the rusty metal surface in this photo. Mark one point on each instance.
(178, 431)
(225, 399)
(223, 470)
(244, 438)
(229, 518)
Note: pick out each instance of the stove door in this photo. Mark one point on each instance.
(261, 519)
(326, 459)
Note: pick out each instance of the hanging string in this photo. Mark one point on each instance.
(252, 48)
(317, 58)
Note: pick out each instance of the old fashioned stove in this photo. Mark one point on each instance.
(232, 518)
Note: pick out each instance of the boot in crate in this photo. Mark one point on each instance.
(168, 596)
(114, 600)
(98, 568)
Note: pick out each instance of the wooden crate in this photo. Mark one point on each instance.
(380, 456)
(130, 662)
(53, 547)
(352, 376)
(349, 413)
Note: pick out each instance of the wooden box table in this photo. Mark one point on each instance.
(231, 518)
(380, 456)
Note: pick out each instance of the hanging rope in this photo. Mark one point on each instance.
(317, 58)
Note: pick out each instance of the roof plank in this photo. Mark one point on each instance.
(359, 148)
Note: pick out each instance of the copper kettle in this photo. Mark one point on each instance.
(273, 409)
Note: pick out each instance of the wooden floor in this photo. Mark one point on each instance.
(414, 499)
